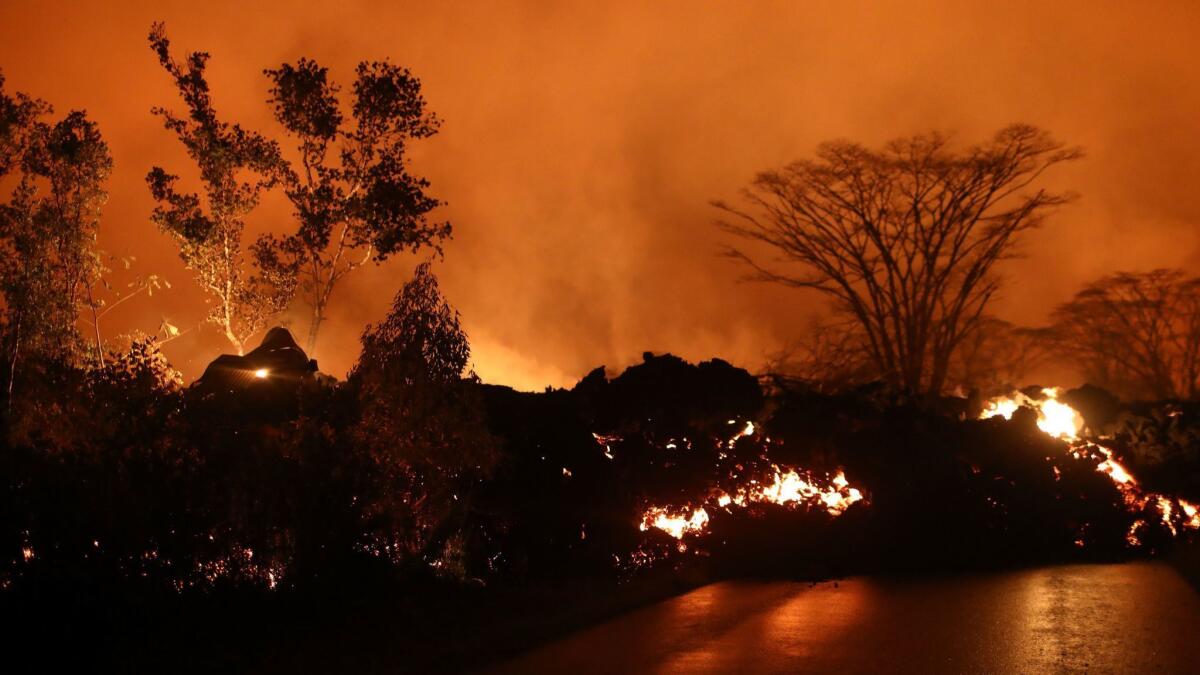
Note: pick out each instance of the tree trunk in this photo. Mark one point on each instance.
(12, 366)
(237, 344)
(314, 326)
(96, 326)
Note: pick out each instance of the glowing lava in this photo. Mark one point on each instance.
(1063, 422)
(674, 525)
(787, 488)
(1054, 417)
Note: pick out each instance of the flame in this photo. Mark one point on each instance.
(1063, 422)
(1111, 467)
(787, 488)
(1191, 513)
(1059, 419)
(834, 494)
(1054, 417)
(745, 431)
(262, 373)
(748, 430)
(1164, 507)
(1131, 537)
(606, 442)
(791, 487)
(674, 525)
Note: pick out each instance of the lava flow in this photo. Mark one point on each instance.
(788, 487)
(1063, 422)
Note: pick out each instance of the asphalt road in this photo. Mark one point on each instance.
(1130, 618)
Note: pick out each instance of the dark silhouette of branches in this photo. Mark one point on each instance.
(1136, 333)
(830, 357)
(903, 239)
(235, 167)
(995, 356)
(420, 420)
(354, 199)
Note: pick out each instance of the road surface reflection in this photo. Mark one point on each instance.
(1131, 618)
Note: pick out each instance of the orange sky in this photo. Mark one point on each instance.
(582, 142)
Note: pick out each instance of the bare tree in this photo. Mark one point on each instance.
(235, 167)
(830, 356)
(1137, 334)
(996, 356)
(903, 239)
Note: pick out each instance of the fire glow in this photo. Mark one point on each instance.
(788, 487)
(798, 488)
(1054, 417)
(1061, 421)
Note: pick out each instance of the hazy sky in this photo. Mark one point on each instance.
(583, 141)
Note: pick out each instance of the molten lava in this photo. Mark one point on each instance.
(675, 525)
(788, 487)
(1063, 422)
(1054, 417)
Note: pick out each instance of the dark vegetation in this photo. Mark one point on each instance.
(420, 546)
(412, 518)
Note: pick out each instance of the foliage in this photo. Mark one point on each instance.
(419, 420)
(209, 231)
(47, 240)
(357, 202)
(903, 239)
(419, 346)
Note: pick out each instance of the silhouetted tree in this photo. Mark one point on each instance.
(996, 355)
(354, 199)
(419, 419)
(1137, 334)
(48, 227)
(904, 238)
(209, 231)
(831, 356)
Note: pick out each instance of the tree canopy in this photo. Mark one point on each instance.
(1137, 333)
(236, 166)
(904, 239)
(354, 197)
(48, 226)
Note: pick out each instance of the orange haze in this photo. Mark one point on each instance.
(582, 142)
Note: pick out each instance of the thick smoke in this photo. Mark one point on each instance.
(581, 147)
